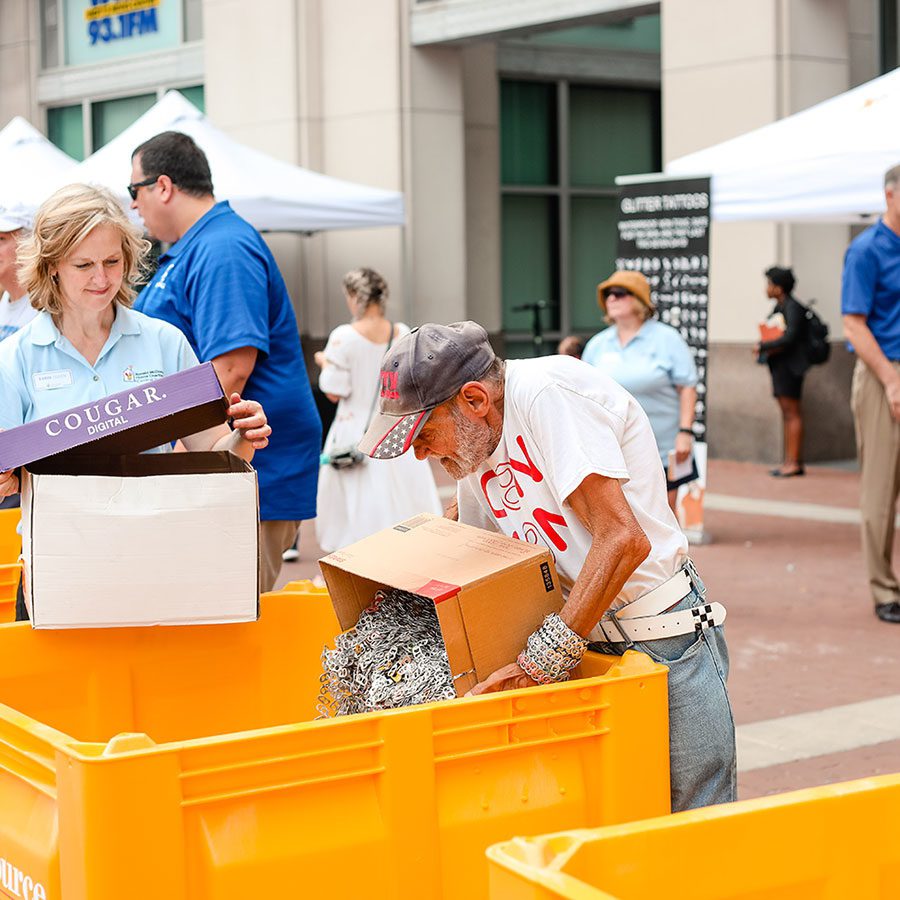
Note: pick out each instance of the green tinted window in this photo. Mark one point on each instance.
(593, 240)
(641, 33)
(611, 132)
(65, 128)
(528, 133)
(196, 95)
(111, 117)
(529, 259)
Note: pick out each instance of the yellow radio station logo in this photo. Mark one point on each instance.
(118, 19)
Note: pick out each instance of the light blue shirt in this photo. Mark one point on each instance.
(651, 367)
(41, 373)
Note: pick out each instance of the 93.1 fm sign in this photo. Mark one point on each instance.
(98, 30)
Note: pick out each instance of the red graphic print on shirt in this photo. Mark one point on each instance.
(505, 493)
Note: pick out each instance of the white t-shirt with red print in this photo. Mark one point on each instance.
(562, 421)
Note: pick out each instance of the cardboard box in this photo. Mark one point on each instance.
(490, 591)
(144, 416)
(111, 537)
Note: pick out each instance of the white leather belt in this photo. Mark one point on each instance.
(645, 619)
(661, 598)
(652, 628)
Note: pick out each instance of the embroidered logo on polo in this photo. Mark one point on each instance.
(161, 283)
(129, 376)
(703, 617)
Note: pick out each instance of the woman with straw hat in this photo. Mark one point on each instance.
(651, 361)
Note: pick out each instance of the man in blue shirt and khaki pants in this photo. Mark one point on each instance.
(219, 283)
(870, 303)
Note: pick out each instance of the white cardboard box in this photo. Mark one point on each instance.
(168, 539)
(114, 536)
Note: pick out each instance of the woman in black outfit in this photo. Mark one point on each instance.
(787, 360)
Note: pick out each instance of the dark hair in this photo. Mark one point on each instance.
(176, 155)
(783, 278)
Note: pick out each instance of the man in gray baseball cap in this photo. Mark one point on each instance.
(422, 371)
(553, 452)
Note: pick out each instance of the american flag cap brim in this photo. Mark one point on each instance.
(388, 437)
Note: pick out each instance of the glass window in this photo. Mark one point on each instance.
(593, 241)
(65, 128)
(196, 95)
(612, 132)
(890, 36)
(559, 203)
(528, 125)
(110, 118)
(529, 259)
(641, 33)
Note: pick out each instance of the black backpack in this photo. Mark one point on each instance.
(816, 337)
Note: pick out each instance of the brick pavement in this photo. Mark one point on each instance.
(801, 630)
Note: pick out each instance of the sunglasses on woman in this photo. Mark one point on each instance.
(616, 292)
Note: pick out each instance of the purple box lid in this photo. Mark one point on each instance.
(130, 421)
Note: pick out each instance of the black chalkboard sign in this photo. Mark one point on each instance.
(664, 233)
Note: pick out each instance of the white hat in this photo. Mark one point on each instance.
(14, 217)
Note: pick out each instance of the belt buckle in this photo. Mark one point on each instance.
(614, 618)
(694, 577)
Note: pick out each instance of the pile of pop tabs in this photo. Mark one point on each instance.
(395, 656)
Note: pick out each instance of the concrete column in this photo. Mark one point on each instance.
(727, 69)
(258, 102)
(19, 61)
(482, 122)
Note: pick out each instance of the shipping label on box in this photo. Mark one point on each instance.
(490, 591)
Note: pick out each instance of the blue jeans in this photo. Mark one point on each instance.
(701, 725)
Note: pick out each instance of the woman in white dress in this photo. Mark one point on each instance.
(359, 500)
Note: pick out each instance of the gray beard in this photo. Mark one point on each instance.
(475, 442)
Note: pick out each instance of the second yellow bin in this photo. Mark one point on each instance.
(827, 843)
(182, 764)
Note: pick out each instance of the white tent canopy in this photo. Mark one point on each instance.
(30, 166)
(272, 195)
(826, 163)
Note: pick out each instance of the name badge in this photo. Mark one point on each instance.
(51, 381)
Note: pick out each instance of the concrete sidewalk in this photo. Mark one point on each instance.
(815, 677)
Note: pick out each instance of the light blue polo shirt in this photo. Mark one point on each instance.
(41, 373)
(651, 367)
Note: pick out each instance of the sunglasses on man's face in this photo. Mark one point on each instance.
(133, 188)
(616, 292)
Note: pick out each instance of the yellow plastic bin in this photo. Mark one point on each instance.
(10, 539)
(9, 582)
(826, 843)
(168, 763)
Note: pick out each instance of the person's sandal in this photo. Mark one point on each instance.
(779, 473)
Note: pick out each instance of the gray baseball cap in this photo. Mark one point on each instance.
(421, 371)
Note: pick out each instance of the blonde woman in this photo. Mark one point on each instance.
(361, 498)
(650, 360)
(79, 266)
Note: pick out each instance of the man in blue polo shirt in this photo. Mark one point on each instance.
(870, 302)
(220, 284)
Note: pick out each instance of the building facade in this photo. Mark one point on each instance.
(505, 123)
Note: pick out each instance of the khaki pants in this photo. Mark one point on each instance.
(274, 539)
(878, 444)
